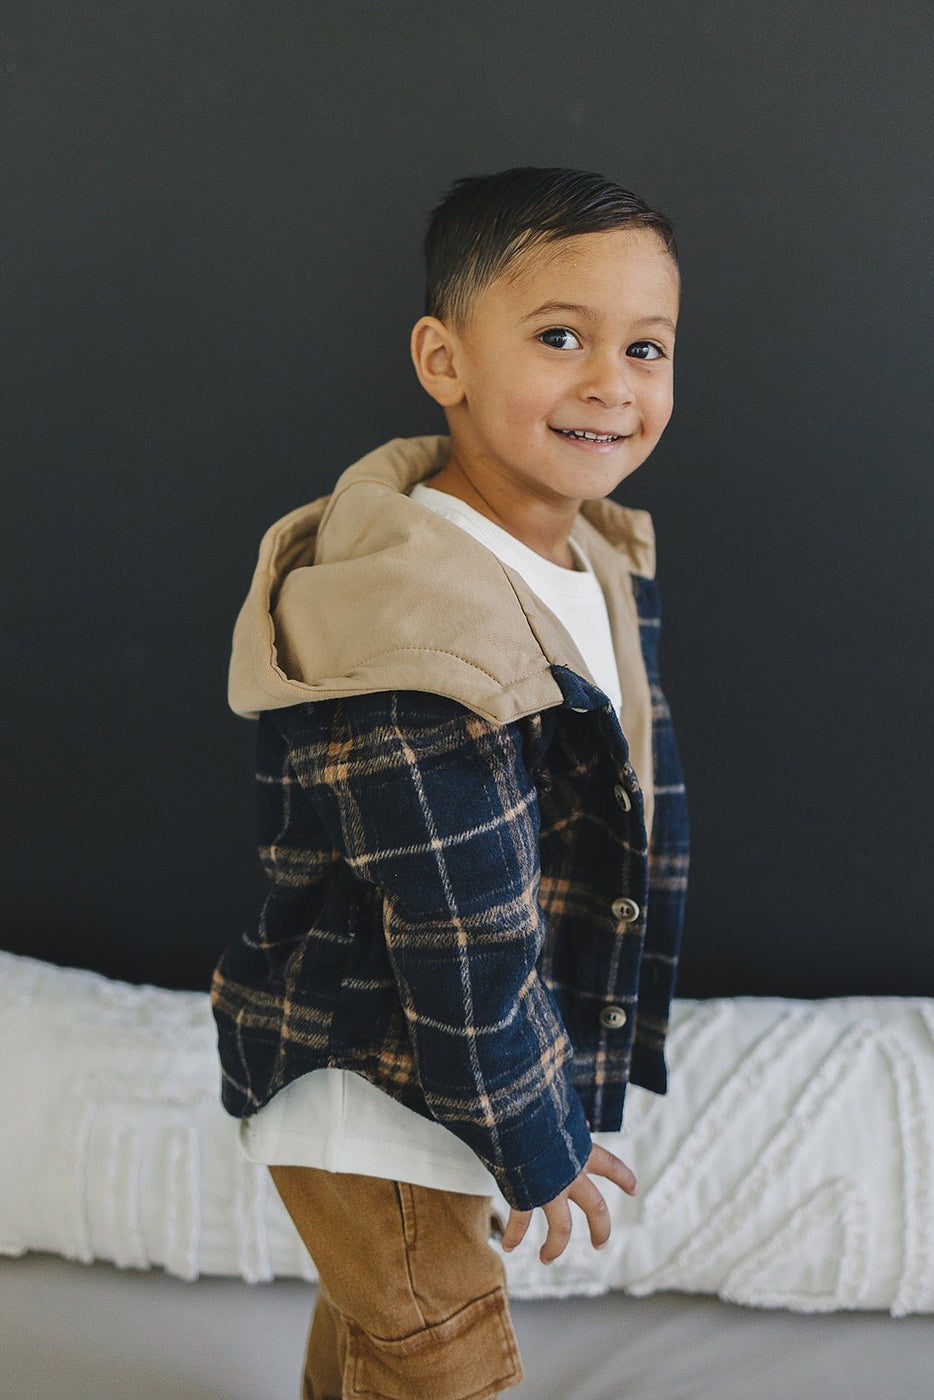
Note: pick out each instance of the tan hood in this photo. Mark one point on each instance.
(366, 590)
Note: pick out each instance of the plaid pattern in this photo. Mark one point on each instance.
(440, 916)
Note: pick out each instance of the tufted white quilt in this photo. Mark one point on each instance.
(789, 1166)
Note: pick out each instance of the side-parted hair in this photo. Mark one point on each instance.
(485, 222)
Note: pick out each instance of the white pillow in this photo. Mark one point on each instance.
(789, 1165)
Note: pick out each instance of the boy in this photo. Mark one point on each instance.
(469, 943)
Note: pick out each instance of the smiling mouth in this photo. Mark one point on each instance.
(583, 435)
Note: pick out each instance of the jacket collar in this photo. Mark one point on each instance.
(364, 590)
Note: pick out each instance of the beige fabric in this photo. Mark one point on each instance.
(365, 590)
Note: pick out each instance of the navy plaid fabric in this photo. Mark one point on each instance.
(443, 917)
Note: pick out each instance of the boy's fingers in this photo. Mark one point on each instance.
(604, 1163)
(558, 1215)
(516, 1227)
(586, 1195)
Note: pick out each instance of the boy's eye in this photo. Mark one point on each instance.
(558, 336)
(647, 345)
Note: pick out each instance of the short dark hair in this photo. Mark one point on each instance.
(485, 222)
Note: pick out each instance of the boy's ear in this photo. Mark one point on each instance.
(432, 347)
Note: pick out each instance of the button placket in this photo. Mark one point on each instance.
(622, 797)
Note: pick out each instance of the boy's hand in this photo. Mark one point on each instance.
(583, 1193)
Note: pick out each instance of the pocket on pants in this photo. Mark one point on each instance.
(468, 1356)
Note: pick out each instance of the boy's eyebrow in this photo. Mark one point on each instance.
(590, 315)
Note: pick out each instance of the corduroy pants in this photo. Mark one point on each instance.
(412, 1298)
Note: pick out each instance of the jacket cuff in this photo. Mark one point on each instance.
(534, 1183)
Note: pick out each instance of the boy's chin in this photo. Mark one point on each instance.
(588, 486)
(591, 478)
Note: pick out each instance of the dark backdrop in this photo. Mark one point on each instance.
(211, 263)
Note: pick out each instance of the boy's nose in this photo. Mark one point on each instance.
(607, 383)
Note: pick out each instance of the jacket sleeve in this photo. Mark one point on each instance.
(435, 806)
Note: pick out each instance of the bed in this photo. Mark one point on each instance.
(781, 1242)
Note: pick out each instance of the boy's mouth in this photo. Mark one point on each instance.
(586, 435)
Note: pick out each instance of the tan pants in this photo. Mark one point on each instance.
(412, 1298)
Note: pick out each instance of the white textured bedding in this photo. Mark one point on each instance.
(789, 1166)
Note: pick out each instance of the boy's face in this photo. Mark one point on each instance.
(578, 336)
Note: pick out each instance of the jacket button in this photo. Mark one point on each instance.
(622, 797)
(612, 1017)
(625, 909)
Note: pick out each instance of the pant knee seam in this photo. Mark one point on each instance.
(406, 1248)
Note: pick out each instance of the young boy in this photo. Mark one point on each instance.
(471, 808)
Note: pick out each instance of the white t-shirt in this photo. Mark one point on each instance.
(336, 1120)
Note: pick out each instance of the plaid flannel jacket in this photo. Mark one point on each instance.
(468, 914)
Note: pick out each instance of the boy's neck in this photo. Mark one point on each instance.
(534, 523)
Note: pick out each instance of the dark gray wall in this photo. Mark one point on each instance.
(211, 262)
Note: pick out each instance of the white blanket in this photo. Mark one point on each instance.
(789, 1166)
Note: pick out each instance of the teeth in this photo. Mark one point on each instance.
(591, 437)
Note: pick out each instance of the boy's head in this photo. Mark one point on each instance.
(552, 299)
(485, 224)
